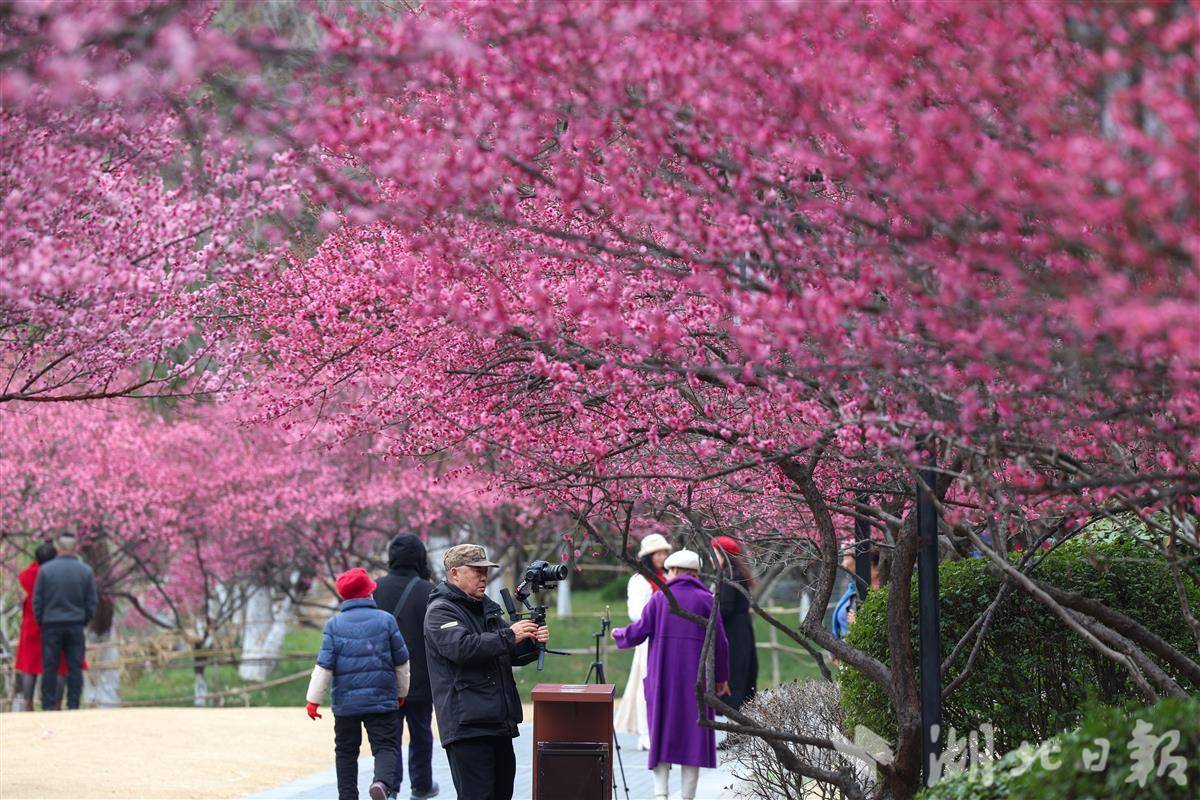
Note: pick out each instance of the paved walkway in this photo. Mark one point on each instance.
(714, 783)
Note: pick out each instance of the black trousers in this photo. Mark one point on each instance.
(420, 747)
(58, 639)
(347, 741)
(483, 768)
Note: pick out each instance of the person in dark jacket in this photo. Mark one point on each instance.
(404, 592)
(64, 601)
(365, 659)
(28, 663)
(739, 625)
(471, 652)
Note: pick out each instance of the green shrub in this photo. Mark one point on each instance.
(1033, 675)
(588, 579)
(1123, 777)
(614, 590)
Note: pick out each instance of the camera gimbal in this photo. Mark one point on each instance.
(539, 576)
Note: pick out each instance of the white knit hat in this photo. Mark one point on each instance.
(653, 543)
(683, 559)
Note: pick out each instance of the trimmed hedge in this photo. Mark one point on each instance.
(1018, 775)
(1033, 675)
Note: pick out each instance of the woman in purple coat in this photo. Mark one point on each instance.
(673, 664)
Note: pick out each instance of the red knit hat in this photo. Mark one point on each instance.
(355, 583)
(727, 544)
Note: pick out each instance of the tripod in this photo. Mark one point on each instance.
(597, 669)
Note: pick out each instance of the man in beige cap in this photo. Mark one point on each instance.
(470, 653)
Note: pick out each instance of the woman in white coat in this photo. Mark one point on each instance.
(631, 713)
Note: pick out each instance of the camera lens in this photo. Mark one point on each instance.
(556, 572)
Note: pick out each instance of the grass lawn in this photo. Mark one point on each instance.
(568, 633)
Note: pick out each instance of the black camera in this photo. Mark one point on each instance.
(539, 576)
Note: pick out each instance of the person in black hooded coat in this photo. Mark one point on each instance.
(404, 592)
(739, 624)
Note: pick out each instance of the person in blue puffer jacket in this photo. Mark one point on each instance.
(364, 657)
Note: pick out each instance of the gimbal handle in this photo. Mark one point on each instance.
(509, 605)
(511, 608)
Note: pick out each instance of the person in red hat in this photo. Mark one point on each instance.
(739, 625)
(364, 659)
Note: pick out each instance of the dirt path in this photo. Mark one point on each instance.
(159, 752)
(162, 753)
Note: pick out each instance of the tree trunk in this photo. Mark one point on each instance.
(564, 598)
(904, 780)
(264, 627)
(200, 687)
(774, 658)
(102, 687)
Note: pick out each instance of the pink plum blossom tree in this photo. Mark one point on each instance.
(743, 266)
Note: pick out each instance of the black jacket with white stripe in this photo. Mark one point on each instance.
(470, 652)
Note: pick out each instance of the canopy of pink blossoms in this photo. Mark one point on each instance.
(750, 257)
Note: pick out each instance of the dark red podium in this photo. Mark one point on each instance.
(573, 741)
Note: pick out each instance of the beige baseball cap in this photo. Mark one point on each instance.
(467, 555)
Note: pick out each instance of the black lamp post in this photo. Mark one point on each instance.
(929, 619)
(862, 554)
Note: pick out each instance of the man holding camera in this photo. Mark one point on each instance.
(471, 653)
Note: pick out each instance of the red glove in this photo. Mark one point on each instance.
(311, 708)
(400, 700)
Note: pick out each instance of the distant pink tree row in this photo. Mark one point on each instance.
(183, 516)
(194, 499)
